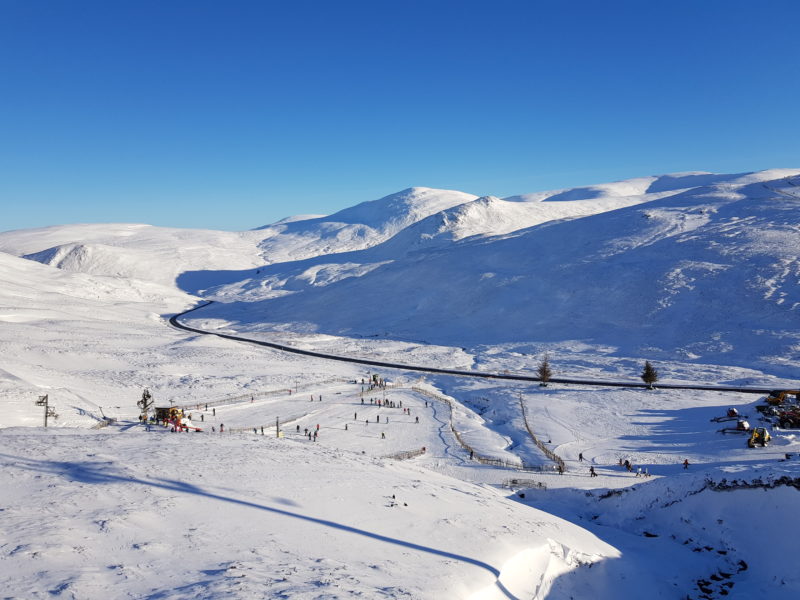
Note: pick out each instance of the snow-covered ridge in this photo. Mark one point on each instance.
(687, 267)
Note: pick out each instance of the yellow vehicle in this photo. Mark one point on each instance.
(168, 413)
(777, 397)
(759, 437)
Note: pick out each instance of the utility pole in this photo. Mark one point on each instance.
(48, 410)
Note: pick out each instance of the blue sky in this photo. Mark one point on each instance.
(231, 115)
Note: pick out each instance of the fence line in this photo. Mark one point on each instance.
(485, 460)
(545, 450)
(291, 419)
(244, 398)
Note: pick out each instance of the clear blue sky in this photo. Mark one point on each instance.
(233, 114)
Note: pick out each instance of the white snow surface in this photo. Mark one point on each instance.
(703, 266)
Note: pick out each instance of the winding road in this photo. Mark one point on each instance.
(174, 321)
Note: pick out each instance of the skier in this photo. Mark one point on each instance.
(560, 470)
(580, 456)
(417, 421)
(221, 427)
(686, 463)
(355, 416)
(591, 472)
(383, 435)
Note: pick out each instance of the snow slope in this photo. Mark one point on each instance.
(355, 228)
(709, 274)
(142, 252)
(704, 267)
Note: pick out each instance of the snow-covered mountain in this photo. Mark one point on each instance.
(141, 252)
(708, 273)
(696, 271)
(355, 228)
(705, 266)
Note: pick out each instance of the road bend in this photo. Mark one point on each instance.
(175, 322)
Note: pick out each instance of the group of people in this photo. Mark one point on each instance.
(629, 467)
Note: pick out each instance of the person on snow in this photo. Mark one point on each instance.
(580, 456)
(686, 463)
(591, 472)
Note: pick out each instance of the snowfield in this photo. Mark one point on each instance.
(696, 272)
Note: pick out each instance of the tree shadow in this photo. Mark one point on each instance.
(107, 473)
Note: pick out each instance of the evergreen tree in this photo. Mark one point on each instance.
(649, 375)
(543, 371)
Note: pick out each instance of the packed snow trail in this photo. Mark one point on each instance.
(390, 365)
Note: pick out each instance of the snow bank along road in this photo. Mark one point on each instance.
(174, 321)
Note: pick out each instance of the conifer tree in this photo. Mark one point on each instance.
(543, 371)
(649, 375)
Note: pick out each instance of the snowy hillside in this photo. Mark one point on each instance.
(142, 252)
(707, 274)
(415, 490)
(355, 228)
